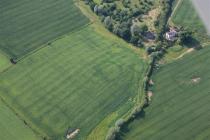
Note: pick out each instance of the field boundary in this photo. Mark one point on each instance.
(24, 120)
(51, 41)
(43, 46)
(34, 24)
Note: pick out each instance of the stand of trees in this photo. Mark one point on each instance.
(184, 37)
(120, 20)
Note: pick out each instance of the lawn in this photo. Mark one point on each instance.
(12, 128)
(27, 25)
(180, 103)
(185, 15)
(75, 82)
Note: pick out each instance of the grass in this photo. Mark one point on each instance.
(26, 25)
(75, 82)
(180, 104)
(12, 128)
(174, 53)
(4, 62)
(99, 28)
(101, 130)
(185, 15)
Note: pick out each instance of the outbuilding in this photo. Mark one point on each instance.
(171, 35)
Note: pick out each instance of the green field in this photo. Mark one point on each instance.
(75, 82)
(180, 106)
(4, 62)
(185, 15)
(11, 128)
(26, 25)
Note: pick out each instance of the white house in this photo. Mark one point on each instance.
(171, 35)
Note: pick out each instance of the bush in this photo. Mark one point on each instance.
(112, 133)
(119, 123)
(108, 23)
(136, 111)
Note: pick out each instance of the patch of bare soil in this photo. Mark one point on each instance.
(154, 13)
(151, 17)
(196, 80)
(72, 134)
(151, 82)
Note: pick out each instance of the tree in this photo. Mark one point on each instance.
(149, 50)
(124, 30)
(135, 30)
(139, 43)
(184, 37)
(143, 28)
(136, 12)
(116, 28)
(91, 4)
(134, 40)
(119, 123)
(112, 133)
(108, 23)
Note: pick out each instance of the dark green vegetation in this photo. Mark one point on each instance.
(26, 25)
(125, 18)
(11, 127)
(75, 82)
(185, 15)
(141, 23)
(180, 106)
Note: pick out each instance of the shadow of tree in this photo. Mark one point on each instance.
(193, 43)
(125, 128)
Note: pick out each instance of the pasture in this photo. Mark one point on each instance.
(185, 15)
(4, 62)
(75, 82)
(12, 128)
(180, 103)
(26, 25)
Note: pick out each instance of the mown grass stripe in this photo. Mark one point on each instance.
(74, 82)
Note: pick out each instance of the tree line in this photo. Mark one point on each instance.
(120, 20)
